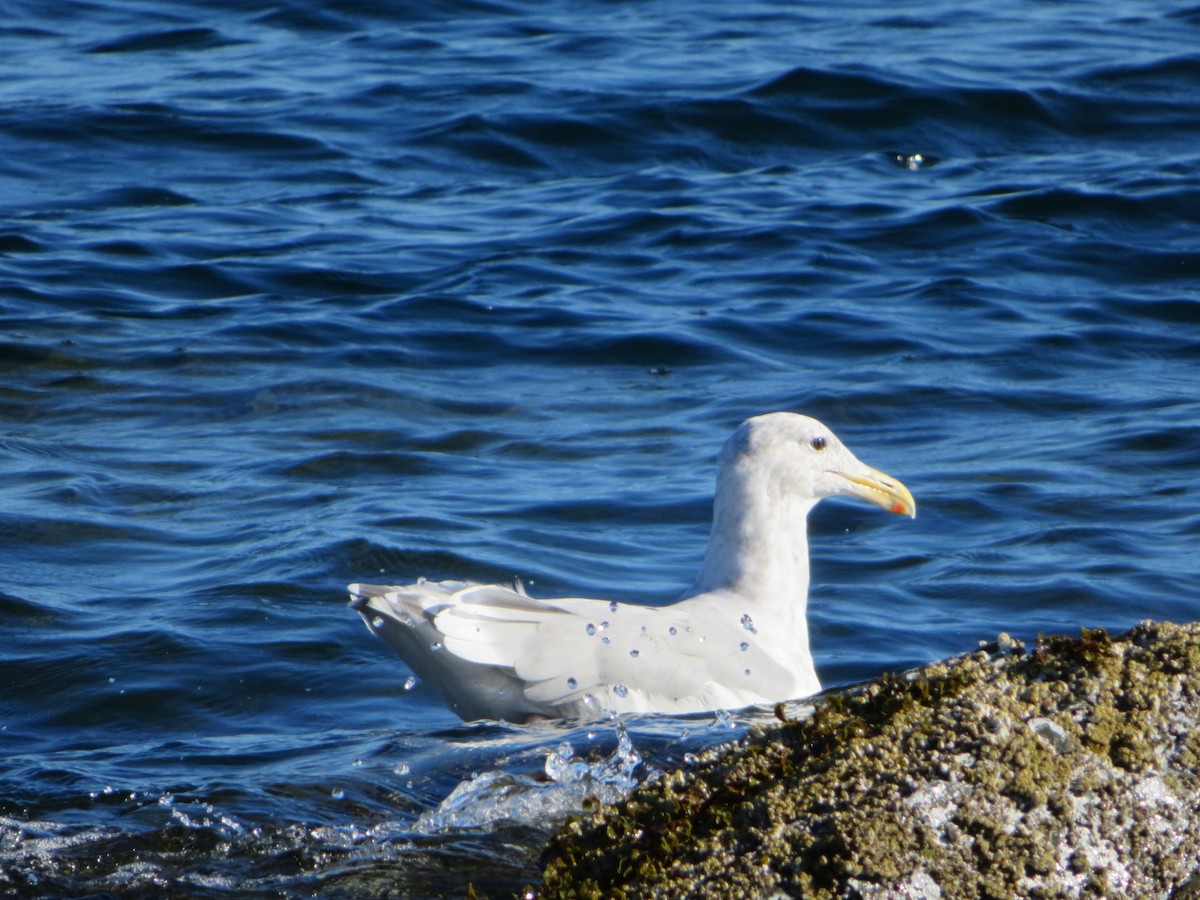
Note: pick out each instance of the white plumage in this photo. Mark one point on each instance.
(740, 637)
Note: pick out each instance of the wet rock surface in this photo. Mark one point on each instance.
(1069, 769)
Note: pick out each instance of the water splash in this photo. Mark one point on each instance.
(722, 721)
(568, 782)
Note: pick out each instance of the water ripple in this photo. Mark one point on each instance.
(322, 292)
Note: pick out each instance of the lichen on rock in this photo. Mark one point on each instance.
(1069, 770)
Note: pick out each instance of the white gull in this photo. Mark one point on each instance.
(739, 638)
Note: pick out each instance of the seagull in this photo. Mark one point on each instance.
(738, 639)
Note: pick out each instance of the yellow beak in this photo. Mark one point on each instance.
(882, 490)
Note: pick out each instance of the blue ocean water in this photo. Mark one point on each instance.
(312, 292)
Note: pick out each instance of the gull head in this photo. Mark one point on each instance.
(794, 457)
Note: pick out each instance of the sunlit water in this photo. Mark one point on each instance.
(326, 292)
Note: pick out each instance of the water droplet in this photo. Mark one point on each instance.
(672, 631)
(635, 653)
(603, 625)
(591, 628)
(620, 690)
(338, 794)
(435, 646)
(722, 721)
(612, 605)
(748, 624)
(357, 762)
(572, 683)
(703, 639)
(410, 682)
(690, 759)
(604, 639)
(743, 646)
(747, 672)
(408, 620)
(377, 622)
(401, 768)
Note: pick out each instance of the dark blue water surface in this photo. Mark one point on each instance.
(313, 292)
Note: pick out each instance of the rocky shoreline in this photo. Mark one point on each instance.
(1069, 769)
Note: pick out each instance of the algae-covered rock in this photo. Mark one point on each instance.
(1072, 770)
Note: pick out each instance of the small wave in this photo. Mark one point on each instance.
(568, 784)
(171, 39)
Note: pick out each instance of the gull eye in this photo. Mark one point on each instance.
(817, 443)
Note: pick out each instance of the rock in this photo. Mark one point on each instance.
(1072, 770)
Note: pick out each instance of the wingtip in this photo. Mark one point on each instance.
(357, 598)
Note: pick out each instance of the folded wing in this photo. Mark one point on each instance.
(512, 656)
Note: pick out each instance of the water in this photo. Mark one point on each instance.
(311, 293)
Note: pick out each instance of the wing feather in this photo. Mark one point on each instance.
(576, 655)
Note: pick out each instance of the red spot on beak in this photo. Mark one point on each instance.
(898, 508)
